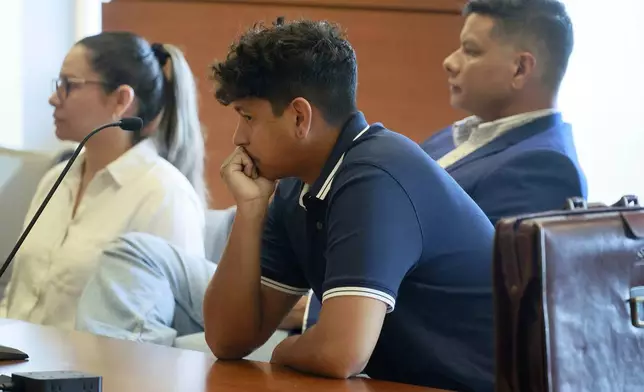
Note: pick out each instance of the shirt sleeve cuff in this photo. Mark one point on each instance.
(284, 287)
(361, 292)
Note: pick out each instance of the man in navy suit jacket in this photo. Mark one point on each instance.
(533, 168)
(515, 154)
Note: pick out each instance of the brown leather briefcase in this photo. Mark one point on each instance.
(569, 299)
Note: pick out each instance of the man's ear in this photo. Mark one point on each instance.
(525, 65)
(302, 112)
(123, 98)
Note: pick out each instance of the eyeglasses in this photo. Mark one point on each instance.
(63, 85)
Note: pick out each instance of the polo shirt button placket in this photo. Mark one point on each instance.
(319, 225)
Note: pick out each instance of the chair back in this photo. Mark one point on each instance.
(20, 173)
(218, 226)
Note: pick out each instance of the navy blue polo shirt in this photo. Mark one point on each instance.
(384, 221)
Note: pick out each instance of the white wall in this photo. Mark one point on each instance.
(46, 37)
(35, 44)
(11, 15)
(603, 95)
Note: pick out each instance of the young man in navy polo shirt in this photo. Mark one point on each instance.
(396, 250)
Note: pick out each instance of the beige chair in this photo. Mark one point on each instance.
(20, 173)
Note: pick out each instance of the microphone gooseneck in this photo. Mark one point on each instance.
(129, 124)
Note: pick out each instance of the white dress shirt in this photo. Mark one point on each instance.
(139, 191)
(471, 133)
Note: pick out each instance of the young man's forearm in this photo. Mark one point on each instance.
(312, 353)
(232, 304)
(340, 344)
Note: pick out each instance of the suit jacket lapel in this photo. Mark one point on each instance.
(509, 138)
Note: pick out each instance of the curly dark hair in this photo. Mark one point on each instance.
(542, 26)
(303, 58)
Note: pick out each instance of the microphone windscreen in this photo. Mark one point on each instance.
(131, 124)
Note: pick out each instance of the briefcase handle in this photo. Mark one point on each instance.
(579, 203)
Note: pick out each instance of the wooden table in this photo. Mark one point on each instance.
(139, 367)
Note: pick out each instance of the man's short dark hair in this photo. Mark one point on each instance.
(309, 59)
(541, 26)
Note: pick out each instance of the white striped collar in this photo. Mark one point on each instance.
(342, 145)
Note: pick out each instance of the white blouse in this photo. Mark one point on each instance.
(139, 191)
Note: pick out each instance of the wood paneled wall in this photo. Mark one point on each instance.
(400, 45)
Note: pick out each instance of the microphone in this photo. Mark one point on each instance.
(132, 124)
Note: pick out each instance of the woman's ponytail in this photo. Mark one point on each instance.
(179, 138)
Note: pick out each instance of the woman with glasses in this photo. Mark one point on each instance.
(149, 181)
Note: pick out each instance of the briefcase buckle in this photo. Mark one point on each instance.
(576, 203)
(628, 201)
(637, 307)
